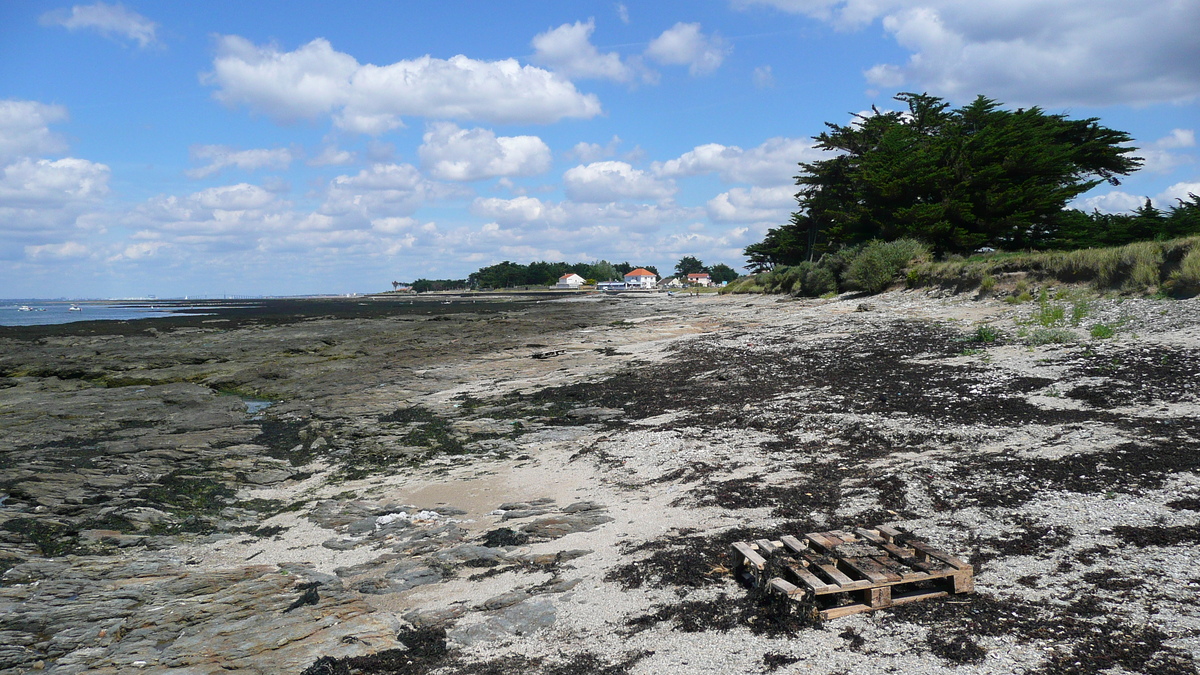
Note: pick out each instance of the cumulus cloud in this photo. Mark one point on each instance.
(315, 80)
(613, 181)
(1065, 52)
(774, 162)
(592, 152)
(568, 50)
(684, 45)
(741, 205)
(25, 128)
(1161, 156)
(382, 190)
(331, 155)
(222, 157)
(1118, 201)
(112, 21)
(451, 153)
(44, 183)
(517, 210)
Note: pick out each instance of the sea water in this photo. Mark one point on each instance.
(45, 312)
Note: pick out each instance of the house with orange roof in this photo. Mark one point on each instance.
(699, 279)
(641, 278)
(569, 281)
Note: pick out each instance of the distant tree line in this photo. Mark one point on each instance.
(541, 273)
(958, 180)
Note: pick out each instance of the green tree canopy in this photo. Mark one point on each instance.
(722, 273)
(688, 265)
(956, 179)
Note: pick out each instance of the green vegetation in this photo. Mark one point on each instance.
(870, 268)
(541, 273)
(956, 180)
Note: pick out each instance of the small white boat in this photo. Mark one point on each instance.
(74, 308)
(24, 308)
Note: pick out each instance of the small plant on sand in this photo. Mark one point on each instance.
(987, 284)
(1047, 336)
(1102, 331)
(984, 334)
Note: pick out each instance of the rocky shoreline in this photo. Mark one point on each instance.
(553, 486)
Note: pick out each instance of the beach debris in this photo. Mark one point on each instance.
(839, 573)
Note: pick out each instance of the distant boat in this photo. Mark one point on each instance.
(24, 308)
(74, 308)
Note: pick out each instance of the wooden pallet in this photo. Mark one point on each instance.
(844, 573)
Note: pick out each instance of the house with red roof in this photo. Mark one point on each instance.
(699, 279)
(641, 278)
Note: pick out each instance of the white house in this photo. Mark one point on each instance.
(699, 279)
(641, 278)
(670, 282)
(569, 281)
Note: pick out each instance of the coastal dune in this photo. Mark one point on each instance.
(526, 485)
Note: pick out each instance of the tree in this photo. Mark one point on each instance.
(955, 179)
(722, 273)
(688, 265)
(603, 271)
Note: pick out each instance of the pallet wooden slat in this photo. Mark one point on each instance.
(873, 568)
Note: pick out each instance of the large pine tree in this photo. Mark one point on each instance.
(956, 179)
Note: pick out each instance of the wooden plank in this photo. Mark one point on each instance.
(964, 581)
(809, 579)
(751, 556)
(935, 553)
(888, 533)
(765, 546)
(898, 553)
(819, 538)
(906, 574)
(917, 596)
(879, 597)
(870, 569)
(844, 610)
(793, 543)
(785, 587)
(841, 582)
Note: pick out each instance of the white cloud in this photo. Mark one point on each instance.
(25, 128)
(517, 210)
(1159, 156)
(568, 50)
(240, 197)
(1058, 53)
(613, 181)
(763, 77)
(223, 156)
(1118, 201)
(315, 80)
(741, 205)
(451, 153)
(67, 250)
(684, 45)
(331, 155)
(774, 162)
(43, 183)
(112, 21)
(592, 152)
(382, 190)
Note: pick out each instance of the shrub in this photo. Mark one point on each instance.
(1048, 315)
(1186, 279)
(874, 269)
(1046, 336)
(984, 333)
(987, 283)
(1102, 331)
(820, 281)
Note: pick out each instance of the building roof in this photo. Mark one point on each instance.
(641, 272)
(698, 275)
(568, 275)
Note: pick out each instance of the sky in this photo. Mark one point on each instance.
(288, 148)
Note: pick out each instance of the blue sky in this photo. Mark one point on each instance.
(302, 147)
